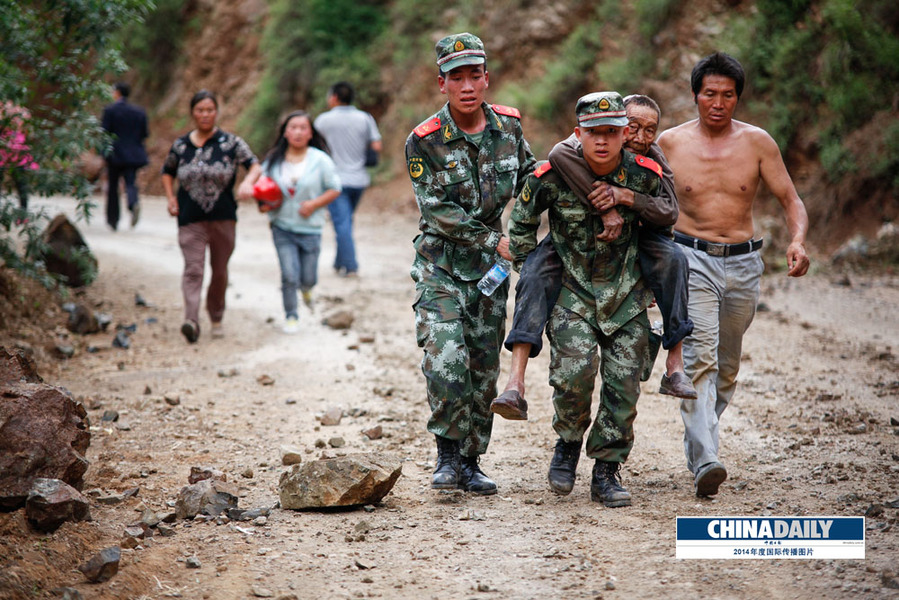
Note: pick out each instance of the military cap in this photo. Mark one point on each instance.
(601, 108)
(460, 49)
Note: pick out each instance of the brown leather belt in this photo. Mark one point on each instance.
(715, 249)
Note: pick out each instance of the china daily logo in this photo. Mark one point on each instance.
(771, 537)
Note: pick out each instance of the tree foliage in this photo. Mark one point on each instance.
(832, 64)
(309, 45)
(55, 56)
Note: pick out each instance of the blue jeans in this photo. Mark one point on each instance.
(663, 264)
(298, 255)
(342, 210)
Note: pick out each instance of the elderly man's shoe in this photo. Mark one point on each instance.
(678, 384)
(510, 405)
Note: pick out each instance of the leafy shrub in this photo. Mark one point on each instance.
(54, 58)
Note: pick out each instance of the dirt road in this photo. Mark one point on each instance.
(808, 434)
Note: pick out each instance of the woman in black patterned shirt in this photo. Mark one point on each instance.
(205, 163)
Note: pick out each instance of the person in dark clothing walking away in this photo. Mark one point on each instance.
(127, 123)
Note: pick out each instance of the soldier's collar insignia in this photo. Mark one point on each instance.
(622, 175)
(447, 132)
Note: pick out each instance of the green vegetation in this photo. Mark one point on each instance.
(853, 49)
(566, 76)
(309, 45)
(152, 46)
(54, 59)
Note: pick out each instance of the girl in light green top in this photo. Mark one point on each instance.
(299, 163)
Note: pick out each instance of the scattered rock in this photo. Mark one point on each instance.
(261, 592)
(291, 456)
(341, 319)
(332, 417)
(103, 566)
(52, 502)
(207, 497)
(63, 350)
(201, 473)
(110, 499)
(247, 473)
(172, 399)
(265, 380)
(337, 442)
(150, 518)
(110, 416)
(192, 562)
(67, 593)
(345, 481)
(228, 373)
(138, 531)
(121, 340)
(82, 321)
(239, 514)
(373, 433)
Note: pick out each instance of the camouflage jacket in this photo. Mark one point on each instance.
(602, 281)
(462, 189)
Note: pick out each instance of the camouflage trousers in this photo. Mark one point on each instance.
(574, 365)
(461, 332)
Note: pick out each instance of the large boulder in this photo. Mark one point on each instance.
(345, 481)
(44, 432)
(68, 254)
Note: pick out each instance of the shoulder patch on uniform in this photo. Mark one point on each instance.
(543, 169)
(509, 111)
(427, 127)
(648, 163)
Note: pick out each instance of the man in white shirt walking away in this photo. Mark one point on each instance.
(349, 133)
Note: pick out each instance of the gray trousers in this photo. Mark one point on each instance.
(724, 292)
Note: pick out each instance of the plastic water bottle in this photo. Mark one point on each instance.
(495, 276)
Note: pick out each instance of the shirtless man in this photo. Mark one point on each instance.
(718, 164)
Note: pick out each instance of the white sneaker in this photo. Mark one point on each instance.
(292, 325)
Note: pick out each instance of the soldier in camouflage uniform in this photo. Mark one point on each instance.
(466, 163)
(603, 301)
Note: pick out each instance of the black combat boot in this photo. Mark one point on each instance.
(446, 475)
(563, 466)
(472, 478)
(606, 485)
